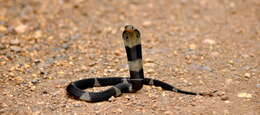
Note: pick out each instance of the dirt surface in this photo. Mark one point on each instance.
(196, 45)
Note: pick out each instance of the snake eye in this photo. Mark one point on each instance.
(125, 35)
(137, 33)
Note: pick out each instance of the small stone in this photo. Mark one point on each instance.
(2, 35)
(258, 85)
(14, 42)
(3, 105)
(35, 81)
(206, 68)
(245, 55)
(21, 28)
(168, 113)
(2, 47)
(3, 28)
(78, 105)
(215, 54)
(209, 41)
(37, 61)
(224, 98)
(231, 62)
(227, 101)
(148, 60)
(44, 92)
(61, 72)
(92, 64)
(192, 46)
(201, 67)
(150, 71)
(175, 53)
(119, 110)
(149, 64)
(92, 70)
(18, 79)
(220, 93)
(65, 46)
(245, 95)
(228, 81)
(226, 112)
(247, 75)
(32, 88)
(111, 99)
(232, 4)
(147, 23)
(38, 34)
(16, 48)
(117, 53)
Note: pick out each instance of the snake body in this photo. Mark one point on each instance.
(132, 41)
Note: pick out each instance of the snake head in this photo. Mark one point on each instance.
(131, 36)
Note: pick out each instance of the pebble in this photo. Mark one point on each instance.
(2, 47)
(35, 81)
(147, 23)
(3, 28)
(1, 35)
(247, 75)
(215, 54)
(148, 60)
(32, 88)
(18, 79)
(168, 113)
(192, 46)
(245, 56)
(224, 98)
(175, 53)
(258, 85)
(78, 105)
(15, 42)
(65, 46)
(150, 71)
(207, 68)
(119, 110)
(38, 34)
(201, 67)
(92, 70)
(16, 48)
(3, 104)
(245, 95)
(221, 93)
(117, 53)
(50, 60)
(45, 92)
(232, 4)
(150, 64)
(92, 64)
(228, 81)
(209, 41)
(37, 61)
(231, 62)
(21, 28)
(75, 37)
(110, 70)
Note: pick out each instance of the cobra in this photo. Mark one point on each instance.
(132, 41)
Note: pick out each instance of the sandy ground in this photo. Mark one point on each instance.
(196, 45)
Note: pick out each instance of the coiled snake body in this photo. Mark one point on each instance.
(132, 41)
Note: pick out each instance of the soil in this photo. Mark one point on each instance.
(194, 45)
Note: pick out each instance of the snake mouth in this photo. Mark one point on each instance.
(129, 30)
